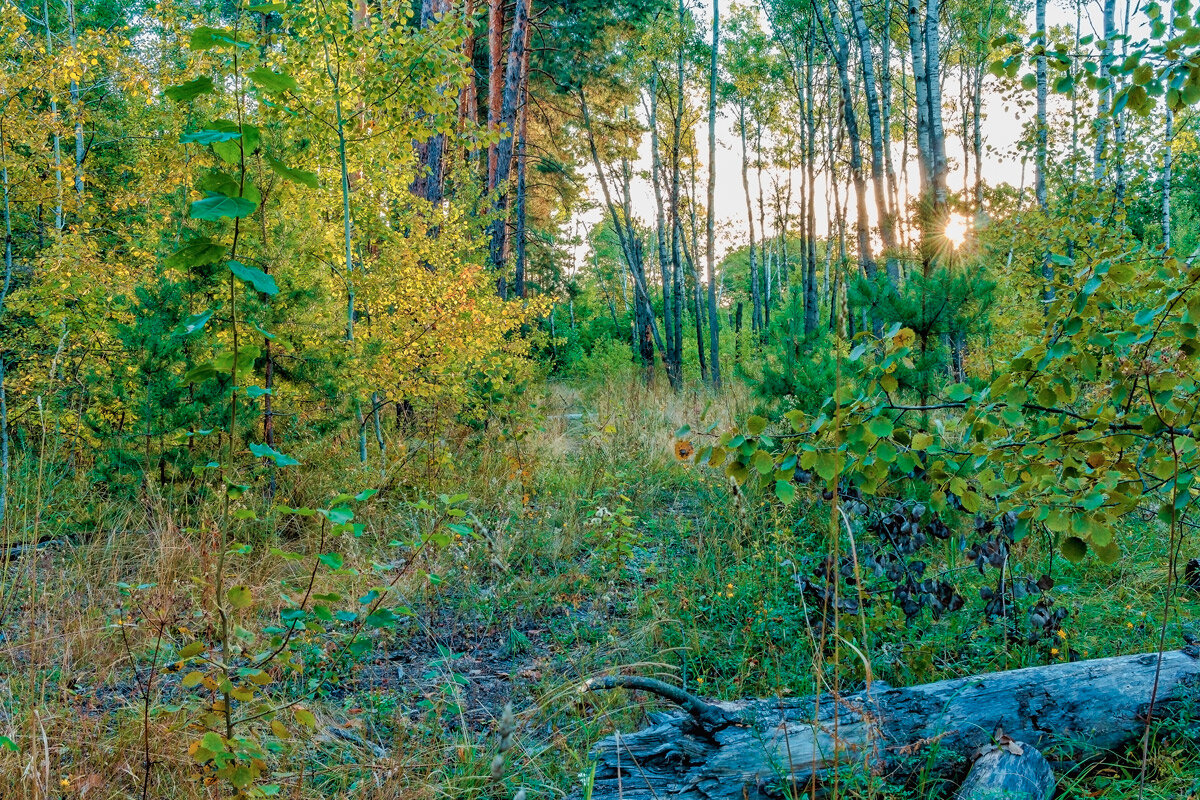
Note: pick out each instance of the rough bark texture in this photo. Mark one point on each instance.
(748, 749)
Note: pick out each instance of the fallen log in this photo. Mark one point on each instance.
(755, 748)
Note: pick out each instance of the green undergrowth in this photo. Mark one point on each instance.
(591, 548)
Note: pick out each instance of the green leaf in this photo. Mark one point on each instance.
(240, 597)
(267, 8)
(254, 276)
(305, 717)
(193, 678)
(189, 90)
(193, 649)
(1074, 549)
(206, 38)
(8, 744)
(292, 174)
(266, 451)
(231, 151)
(255, 392)
(273, 82)
(785, 491)
(755, 425)
(194, 253)
(194, 323)
(331, 560)
(220, 206)
(210, 135)
(200, 373)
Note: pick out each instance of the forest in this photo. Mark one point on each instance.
(600, 399)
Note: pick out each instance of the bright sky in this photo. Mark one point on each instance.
(1002, 128)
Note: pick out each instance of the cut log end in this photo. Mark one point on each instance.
(1015, 771)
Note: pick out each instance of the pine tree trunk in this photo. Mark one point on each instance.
(504, 148)
(756, 317)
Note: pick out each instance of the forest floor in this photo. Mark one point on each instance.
(599, 552)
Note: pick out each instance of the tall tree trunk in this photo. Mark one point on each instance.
(887, 225)
(496, 75)
(504, 148)
(678, 110)
(5, 287)
(756, 317)
(665, 265)
(714, 323)
(647, 328)
(764, 256)
(1105, 100)
(885, 102)
(916, 49)
(468, 98)
(522, 138)
(55, 136)
(77, 102)
(812, 313)
(1043, 132)
(839, 47)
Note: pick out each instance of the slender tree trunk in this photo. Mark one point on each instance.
(840, 49)
(670, 360)
(647, 327)
(916, 49)
(812, 315)
(756, 317)
(1168, 153)
(522, 138)
(468, 98)
(885, 98)
(496, 76)
(678, 110)
(77, 102)
(714, 323)
(1043, 132)
(887, 225)
(55, 136)
(4, 290)
(504, 148)
(1104, 103)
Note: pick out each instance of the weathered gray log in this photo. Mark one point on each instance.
(752, 749)
(1011, 771)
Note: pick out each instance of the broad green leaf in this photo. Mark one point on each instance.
(221, 206)
(189, 90)
(266, 451)
(300, 176)
(1074, 549)
(331, 560)
(8, 744)
(206, 38)
(755, 425)
(254, 276)
(273, 82)
(255, 392)
(194, 253)
(240, 597)
(193, 678)
(305, 717)
(194, 323)
(210, 135)
(785, 491)
(193, 649)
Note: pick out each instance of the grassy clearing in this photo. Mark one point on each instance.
(597, 550)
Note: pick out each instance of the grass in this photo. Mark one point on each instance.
(595, 550)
